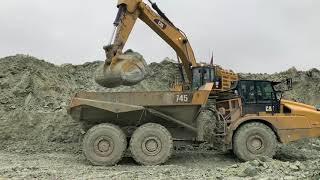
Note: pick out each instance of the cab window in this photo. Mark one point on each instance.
(202, 76)
(264, 92)
(196, 79)
(254, 92)
(247, 91)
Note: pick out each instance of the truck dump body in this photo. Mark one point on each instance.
(134, 108)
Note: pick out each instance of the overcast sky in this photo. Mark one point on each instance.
(246, 35)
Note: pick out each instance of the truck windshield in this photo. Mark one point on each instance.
(257, 92)
(264, 92)
(248, 92)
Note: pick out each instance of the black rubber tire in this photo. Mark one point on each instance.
(159, 140)
(254, 140)
(108, 137)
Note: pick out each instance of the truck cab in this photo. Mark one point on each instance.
(259, 96)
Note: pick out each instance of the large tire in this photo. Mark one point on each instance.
(254, 140)
(104, 145)
(151, 144)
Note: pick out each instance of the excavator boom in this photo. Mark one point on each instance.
(130, 11)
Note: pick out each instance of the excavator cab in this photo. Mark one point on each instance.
(203, 75)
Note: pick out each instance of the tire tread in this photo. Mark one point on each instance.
(141, 129)
(122, 138)
(246, 127)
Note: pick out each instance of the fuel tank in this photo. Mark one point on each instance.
(126, 69)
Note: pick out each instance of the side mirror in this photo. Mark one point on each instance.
(318, 107)
(289, 83)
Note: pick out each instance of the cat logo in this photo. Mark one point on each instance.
(161, 24)
(269, 109)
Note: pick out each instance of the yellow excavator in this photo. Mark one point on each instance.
(197, 74)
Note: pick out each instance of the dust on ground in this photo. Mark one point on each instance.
(39, 139)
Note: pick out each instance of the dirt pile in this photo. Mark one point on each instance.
(33, 119)
(35, 96)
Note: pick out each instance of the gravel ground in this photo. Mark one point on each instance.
(71, 166)
(184, 165)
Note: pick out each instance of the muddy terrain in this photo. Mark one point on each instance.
(40, 141)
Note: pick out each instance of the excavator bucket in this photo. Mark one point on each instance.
(126, 69)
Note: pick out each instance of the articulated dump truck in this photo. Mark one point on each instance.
(251, 121)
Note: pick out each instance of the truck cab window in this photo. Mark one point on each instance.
(247, 91)
(264, 92)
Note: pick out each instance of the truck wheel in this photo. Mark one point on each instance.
(151, 144)
(254, 140)
(104, 144)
